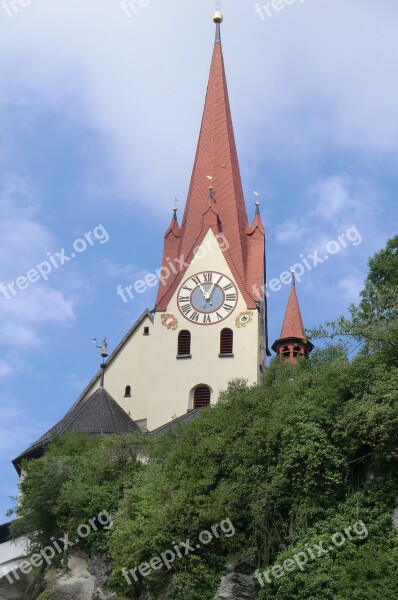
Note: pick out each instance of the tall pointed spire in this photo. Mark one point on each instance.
(292, 341)
(216, 160)
(216, 157)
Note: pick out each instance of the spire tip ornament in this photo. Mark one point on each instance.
(218, 17)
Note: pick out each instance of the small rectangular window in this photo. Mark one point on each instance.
(184, 343)
(146, 330)
(226, 342)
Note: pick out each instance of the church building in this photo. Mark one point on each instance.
(209, 324)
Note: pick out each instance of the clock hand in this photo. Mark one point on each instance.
(203, 291)
(210, 292)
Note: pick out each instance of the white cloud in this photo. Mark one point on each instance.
(76, 382)
(123, 272)
(333, 197)
(291, 231)
(317, 77)
(349, 288)
(25, 242)
(339, 217)
(16, 427)
(5, 368)
(330, 208)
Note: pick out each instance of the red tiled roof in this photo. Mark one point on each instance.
(255, 256)
(216, 156)
(172, 240)
(293, 326)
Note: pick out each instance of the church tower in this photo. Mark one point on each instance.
(292, 342)
(210, 322)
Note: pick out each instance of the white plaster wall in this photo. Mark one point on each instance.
(132, 367)
(11, 554)
(173, 379)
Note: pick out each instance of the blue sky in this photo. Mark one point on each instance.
(100, 114)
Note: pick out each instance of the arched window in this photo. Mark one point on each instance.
(285, 352)
(127, 392)
(201, 397)
(296, 350)
(184, 343)
(226, 341)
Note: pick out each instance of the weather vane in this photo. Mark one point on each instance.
(103, 347)
(104, 354)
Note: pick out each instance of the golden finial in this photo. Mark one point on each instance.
(218, 16)
(218, 19)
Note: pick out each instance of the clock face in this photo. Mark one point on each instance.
(207, 298)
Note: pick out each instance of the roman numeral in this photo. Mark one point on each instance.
(227, 287)
(187, 288)
(206, 319)
(183, 299)
(231, 297)
(186, 309)
(194, 316)
(219, 279)
(227, 307)
(196, 279)
(208, 277)
(219, 317)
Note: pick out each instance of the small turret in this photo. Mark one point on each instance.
(292, 342)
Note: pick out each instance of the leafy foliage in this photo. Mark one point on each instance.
(306, 454)
(290, 463)
(76, 480)
(374, 323)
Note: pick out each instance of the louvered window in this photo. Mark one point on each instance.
(226, 341)
(201, 397)
(286, 352)
(184, 343)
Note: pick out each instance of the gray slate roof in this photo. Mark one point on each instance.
(189, 416)
(97, 414)
(93, 419)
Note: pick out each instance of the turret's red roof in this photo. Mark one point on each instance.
(293, 326)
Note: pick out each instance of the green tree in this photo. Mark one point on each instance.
(78, 478)
(374, 322)
(289, 463)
